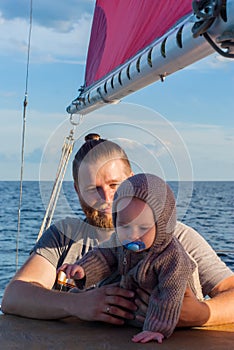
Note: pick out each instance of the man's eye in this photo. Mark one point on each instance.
(113, 186)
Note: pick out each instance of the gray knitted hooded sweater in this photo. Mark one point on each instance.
(165, 269)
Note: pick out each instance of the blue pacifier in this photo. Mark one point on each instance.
(134, 246)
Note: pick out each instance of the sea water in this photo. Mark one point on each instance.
(209, 209)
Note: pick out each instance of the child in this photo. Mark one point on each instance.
(145, 252)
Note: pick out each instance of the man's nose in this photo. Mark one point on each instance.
(106, 194)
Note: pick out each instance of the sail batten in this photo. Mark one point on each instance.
(169, 52)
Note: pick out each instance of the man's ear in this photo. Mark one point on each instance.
(76, 188)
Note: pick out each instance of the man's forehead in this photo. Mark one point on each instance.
(100, 164)
(110, 170)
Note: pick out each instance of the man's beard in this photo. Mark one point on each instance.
(95, 217)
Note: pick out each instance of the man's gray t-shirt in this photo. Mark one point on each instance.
(68, 240)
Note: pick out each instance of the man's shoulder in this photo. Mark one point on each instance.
(182, 229)
(187, 235)
(190, 239)
(71, 227)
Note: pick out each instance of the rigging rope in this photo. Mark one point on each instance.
(65, 156)
(67, 149)
(25, 103)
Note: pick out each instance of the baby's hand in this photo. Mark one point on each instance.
(146, 336)
(73, 271)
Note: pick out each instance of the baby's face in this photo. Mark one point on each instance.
(135, 222)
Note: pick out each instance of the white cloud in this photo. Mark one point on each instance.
(53, 14)
(7, 94)
(178, 151)
(39, 126)
(47, 44)
(211, 150)
(214, 61)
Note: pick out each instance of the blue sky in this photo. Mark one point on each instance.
(196, 103)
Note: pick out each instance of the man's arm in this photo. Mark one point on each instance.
(221, 304)
(219, 309)
(29, 294)
(217, 282)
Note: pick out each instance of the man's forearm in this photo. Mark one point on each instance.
(34, 301)
(221, 309)
(39, 302)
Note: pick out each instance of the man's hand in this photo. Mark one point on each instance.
(33, 283)
(108, 303)
(142, 301)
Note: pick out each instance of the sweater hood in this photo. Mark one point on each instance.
(158, 195)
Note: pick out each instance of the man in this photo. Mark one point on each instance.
(98, 169)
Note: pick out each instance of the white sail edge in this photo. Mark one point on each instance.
(166, 55)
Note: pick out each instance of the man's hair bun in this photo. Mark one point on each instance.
(91, 137)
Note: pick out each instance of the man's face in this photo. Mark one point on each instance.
(97, 185)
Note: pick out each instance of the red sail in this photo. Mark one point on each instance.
(123, 27)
